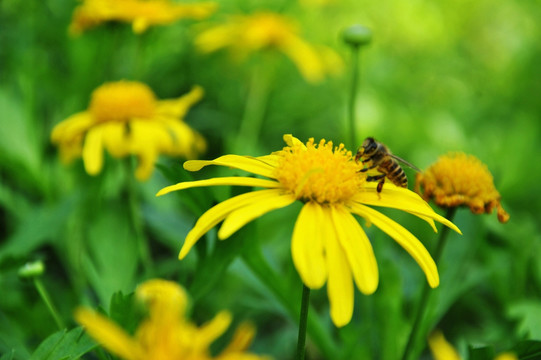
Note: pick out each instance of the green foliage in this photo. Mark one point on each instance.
(436, 77)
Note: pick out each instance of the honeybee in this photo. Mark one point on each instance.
(375, 155)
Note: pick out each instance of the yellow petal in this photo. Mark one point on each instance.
(210, 331)
(230, 180)
(273, 200)
(307, 246)
(305, 58)
(177, 108)
(242, 339)
(215, 38)
(93, 151)
(403, 237)
(246, 163)
(506, 356)
(440, 348)
(403, 199)
(114, 139)
(339, 280)
(357, 249)
(108, 334)
(291, 140)
(216, 214)
(72, 127)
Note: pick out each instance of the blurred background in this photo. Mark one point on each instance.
(438, 76)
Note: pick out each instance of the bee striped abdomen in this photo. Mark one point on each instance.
(394, 172)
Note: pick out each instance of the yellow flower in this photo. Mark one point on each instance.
(265, 30)
(141, 13)
(125, 118)
(442, 350)
(166, 333)
(457, 179)
(328, 244)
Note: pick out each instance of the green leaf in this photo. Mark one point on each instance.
(123, 310)
(112, 258)
(8, 356)
(42, 225)
(528, 349)
(529, 315)
(482, 353)
(64, 345)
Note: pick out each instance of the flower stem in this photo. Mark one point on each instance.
(355, 50)
(425, 296)
(301, 340)
(135, 217)
(254, 111)
(47, 300)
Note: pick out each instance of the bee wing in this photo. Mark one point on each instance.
(406, 163)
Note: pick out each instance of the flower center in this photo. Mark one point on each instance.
(122, 101)
(267, 29)
(319, 172)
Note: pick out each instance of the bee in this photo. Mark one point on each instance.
(375, 155)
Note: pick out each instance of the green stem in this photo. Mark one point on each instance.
(259, 266)
(254, 111)
(355, 51)
(425, 296)
(135, 217)
(301, 340)
(47, 300)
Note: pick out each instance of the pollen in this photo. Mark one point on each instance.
(319, 172)
(122, 101)
(457, 179)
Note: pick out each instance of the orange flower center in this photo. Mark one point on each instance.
(319, 172)
(458, 179)
(122, 101)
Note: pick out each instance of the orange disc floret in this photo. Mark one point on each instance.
(458, 179)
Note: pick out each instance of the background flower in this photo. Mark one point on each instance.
(166, 333)
(141, 13)
(125, 118)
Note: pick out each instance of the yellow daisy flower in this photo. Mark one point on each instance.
(166, 333)
(328, 244)
(441, 349)
(245, 34)
(126, 118)
(141, 13)
(457, 179)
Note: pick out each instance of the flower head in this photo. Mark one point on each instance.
(166, 333)
(328, 244)
(270, 31)
(126, 118)
(141, 13)
(457, 179)
(441, 349)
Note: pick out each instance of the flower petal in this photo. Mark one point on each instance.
(242, 338)
(403, 199)
(216, 214)
(291, 140)
(275, 199)
(212, 330)
(307, 246)
(177, 108)
(339, 280)
(246, 163)
(108, 334)
(93, 151)
(231, 180)
(357, 249)
(403, 237)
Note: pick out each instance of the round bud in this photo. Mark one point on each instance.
(357, 35)
(33, 269)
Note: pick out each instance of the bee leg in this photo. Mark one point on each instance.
(376, 178)
(380, 184)
(368, 168)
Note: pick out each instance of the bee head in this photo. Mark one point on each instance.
(368, 147)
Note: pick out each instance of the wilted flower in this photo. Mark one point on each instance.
(141, 13)
(328, 244)
(166, 333)
(442, 350)
(125, 118)
(263, 31)
(457, 179)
